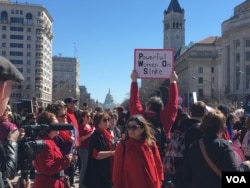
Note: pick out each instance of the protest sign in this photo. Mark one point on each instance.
(154, 63)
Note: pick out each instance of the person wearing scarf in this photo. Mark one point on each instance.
(101, 150)
(137, 161)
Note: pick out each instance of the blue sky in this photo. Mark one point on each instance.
(103, 35)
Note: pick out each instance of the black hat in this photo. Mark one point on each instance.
(8, 71)
(70, 100)
(224, 107)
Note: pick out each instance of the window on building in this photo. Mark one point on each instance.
(16, 20)
(29, 30)
(4, 28)
(14, 53)
(16, 45)
(28, 37)
(212, 69)
(3, 36)
(247, 77)
(16, 28)
(3, 44)
(16, 62)
(200, 69)
(28, 62)
(28, 45)
(3, 52)
(200, 80)
(17, 37)
(237, 57)
(248, 43)
(237, 44)
(200, 93)
(28, 70)
(247, 55)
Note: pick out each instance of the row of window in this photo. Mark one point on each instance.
(247, 43)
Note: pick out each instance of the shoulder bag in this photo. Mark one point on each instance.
(208, 160)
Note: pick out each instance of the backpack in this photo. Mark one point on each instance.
(246, 144)
(175, 150)
(159, 133)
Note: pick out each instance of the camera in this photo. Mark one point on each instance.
(31, 145)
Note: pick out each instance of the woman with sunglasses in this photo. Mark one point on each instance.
(85, 131)
(50, 163)
(66, 138)
(137, 161)
(101, 150)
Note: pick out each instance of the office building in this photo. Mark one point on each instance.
(26, 40)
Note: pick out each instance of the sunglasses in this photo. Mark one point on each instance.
(62, 116)
(132, 127)
(105, 120)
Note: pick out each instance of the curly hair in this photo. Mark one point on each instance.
(45, 118)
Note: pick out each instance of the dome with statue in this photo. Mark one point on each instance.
(109, 102)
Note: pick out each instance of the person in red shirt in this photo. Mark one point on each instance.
(137, 161)
(50, 163)
(85, 131)
(70, 103)
(167, 113)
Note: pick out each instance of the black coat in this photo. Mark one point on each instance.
(8, 160)
(197, 173)
(98, 172)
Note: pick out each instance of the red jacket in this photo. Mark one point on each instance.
(48, 163)
(136, 164)
(72, 119)
(167, 115)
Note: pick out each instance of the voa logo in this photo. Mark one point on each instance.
(236, 179)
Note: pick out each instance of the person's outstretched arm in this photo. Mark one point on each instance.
(135, 103)
(169, 113)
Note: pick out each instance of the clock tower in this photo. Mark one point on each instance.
(174, 27)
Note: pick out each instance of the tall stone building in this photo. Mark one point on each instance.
(235, 47)
(65, 78)
(26, 40)
(218, 68)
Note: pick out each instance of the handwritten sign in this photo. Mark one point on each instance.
(154, 63)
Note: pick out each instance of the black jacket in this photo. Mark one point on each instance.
(8, 160)
(197, 173)
(192, 131)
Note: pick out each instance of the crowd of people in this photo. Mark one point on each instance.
(146, 146)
